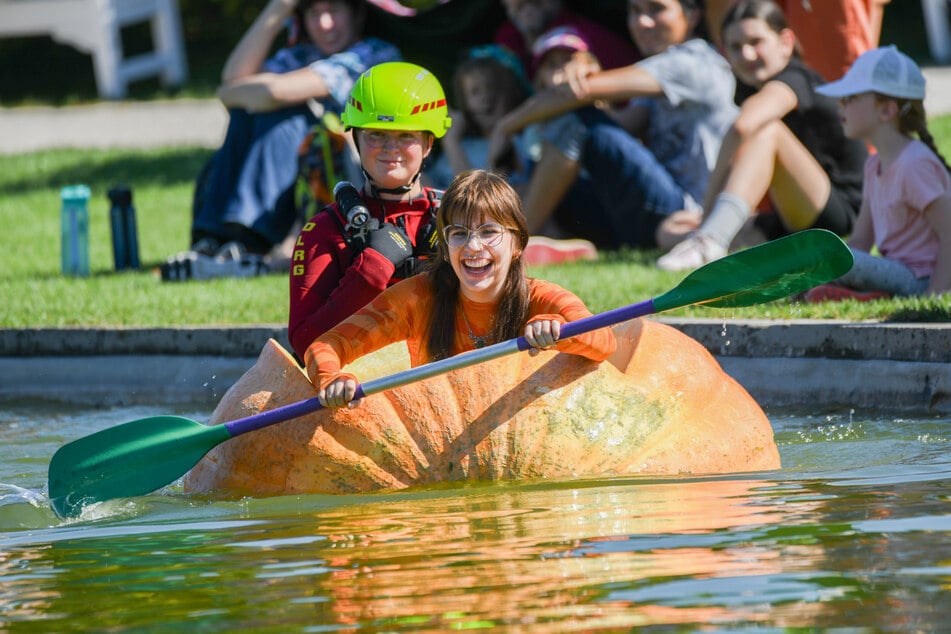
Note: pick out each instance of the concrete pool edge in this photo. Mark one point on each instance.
(813, 363)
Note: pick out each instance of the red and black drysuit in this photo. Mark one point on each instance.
(333, 274)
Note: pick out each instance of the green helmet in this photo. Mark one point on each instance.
(398, 96)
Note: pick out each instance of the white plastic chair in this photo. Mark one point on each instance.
(94, 26)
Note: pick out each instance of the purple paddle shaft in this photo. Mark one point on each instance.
(605, 319)
(472, 357)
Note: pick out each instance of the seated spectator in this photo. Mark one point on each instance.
(487, 84)
(681, 103)
(244, 201)
(787, 142)
(529, 19)
(906, 204)
(831, 33)
(553, 55)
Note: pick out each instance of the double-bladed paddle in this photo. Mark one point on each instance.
(141, 456)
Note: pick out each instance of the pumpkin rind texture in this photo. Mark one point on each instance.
(660, 405)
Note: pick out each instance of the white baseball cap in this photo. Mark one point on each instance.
(884, 70)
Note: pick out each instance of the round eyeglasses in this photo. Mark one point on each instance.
(490, 234)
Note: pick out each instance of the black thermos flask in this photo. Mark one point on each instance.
(125, 241)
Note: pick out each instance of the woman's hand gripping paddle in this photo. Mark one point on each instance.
(141, 456)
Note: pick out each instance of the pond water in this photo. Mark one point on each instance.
(852, 533)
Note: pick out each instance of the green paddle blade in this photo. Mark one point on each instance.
(131, 459)
(139, 457)
(763, 273)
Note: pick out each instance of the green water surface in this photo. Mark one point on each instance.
(851, 535)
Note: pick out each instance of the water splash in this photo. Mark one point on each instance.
(22, 508)
(726, 344)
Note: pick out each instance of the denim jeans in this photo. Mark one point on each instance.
(633, 190)
(876, 273)
(251, 180)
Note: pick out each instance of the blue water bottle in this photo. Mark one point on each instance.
(75, 230)
(125, 240)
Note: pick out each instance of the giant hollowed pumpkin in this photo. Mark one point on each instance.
(660, 405)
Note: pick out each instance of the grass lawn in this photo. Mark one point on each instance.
(35, 294)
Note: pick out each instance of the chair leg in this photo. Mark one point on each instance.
(107, 54)
(937, 28)
(167, 34)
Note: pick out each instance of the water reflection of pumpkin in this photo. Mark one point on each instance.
(604, 554)
(661, 405)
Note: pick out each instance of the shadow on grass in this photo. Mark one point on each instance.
(38, 70)
(921, 314)
(101, 169)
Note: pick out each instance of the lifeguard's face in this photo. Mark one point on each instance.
(331, 26)
(393, 158)
(656, 25)
(482, 268)
(756, 52)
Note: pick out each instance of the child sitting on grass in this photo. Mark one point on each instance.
(786, 143)
(679, 99)
(906, 203)
(487, 84)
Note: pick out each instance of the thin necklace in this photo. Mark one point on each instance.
(478, 342)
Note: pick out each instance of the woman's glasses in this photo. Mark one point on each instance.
(490, 234)
(381, 138)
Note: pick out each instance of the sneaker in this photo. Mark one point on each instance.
(836, 293)
(178, 268)
(541, 250)
(206, 246)
(692, 253)
(231, 260)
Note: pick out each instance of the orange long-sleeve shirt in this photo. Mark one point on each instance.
(401, 313)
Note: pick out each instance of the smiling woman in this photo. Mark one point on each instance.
(475, 293)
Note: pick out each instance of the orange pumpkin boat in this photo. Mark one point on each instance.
(660, 405)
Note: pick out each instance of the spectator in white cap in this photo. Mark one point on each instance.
(906, 203)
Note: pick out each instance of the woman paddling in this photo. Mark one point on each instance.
(475, 293)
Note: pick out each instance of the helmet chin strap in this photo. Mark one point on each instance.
(402, 189)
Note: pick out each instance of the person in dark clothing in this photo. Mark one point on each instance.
(787, 142)
(244, 200)
(396, 110)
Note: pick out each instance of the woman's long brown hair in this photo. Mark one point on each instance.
(475, 197)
